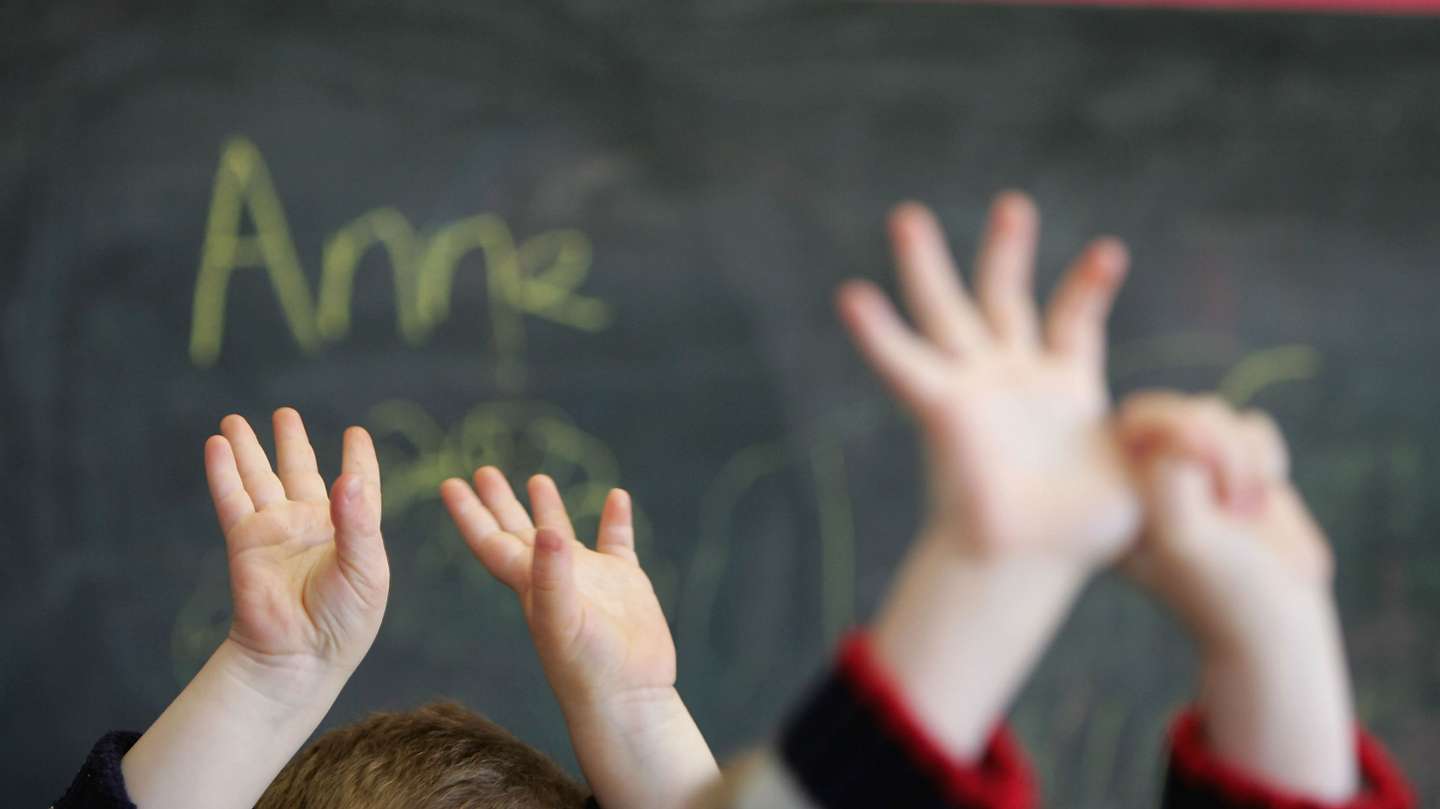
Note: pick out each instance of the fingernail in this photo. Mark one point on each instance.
(1112, 254)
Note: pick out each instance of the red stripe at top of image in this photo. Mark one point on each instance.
(1327, 6)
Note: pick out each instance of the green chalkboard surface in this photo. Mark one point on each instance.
(600, 240)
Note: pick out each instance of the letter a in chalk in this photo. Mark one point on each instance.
(242, 183)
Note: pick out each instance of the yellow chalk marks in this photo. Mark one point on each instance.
(449, 244)
(1243, 378)
(243, 183)
(837, 539)
(711, 556)
(387, 227)
(1191, 349)
(431, 454)
(1261, 369)
(203, 619)
(552, 266)
(539, 277)
(822, 449)
(522, 438)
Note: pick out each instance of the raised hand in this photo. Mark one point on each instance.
(1229, 545)
(600, 633)
(593, 614)
(1013, 411)
(308, 580)
(308, 572)
(1225, 525)
(1029, 493)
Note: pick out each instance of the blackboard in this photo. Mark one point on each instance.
(600, 240)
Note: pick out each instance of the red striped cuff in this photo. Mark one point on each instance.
(1001, 779)
(1199, 776)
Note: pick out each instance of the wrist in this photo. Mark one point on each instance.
(230, 731)
(643, 730)
(959, 638)
(283, 684)
(954, 540)
(1278, 703)
(1273, 634)
(630, 713)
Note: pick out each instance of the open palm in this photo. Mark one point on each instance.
(1015, 423)
(597, 624)
(308, 572)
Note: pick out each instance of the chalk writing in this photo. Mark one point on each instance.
(538, 277)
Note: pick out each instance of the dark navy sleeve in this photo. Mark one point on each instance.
(856, 743)
(100, 784)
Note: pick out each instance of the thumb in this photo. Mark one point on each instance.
(359, 547)
(554, 602)
(1180, 495)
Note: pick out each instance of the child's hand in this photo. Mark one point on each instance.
(308, 573)
(309, 580)
(1227, 535)
(1014, 420)
(600, 633)
(597, 624)
(1231, 548)
(1029, 492)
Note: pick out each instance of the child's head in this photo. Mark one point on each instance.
(440, 756)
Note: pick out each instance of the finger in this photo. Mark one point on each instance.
(1181, 492)
(359, 546)
(1005, 269)
(909, 367)
(549, 507)
(357, 457)
(617, 527)
(1151, 420)
(232, 502)
(554, 602)
(295, 459)
(1235, 472)
(1256, 471)
(1075, 324)
(1269, 445)
(469, 514)
(502, 553)
(930, 283)
(497, 495)
(260, 481)
(1197, 429)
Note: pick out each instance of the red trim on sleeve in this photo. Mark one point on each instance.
(1000, 780)
(1383, 786)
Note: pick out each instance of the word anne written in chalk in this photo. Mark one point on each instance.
(537, 277)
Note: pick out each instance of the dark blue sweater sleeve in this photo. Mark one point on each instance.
(100, 784)
(856, 743)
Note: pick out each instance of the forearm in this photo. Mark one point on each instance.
(227, 735)
(1279, 706)
(960, 634)
(641, 750)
